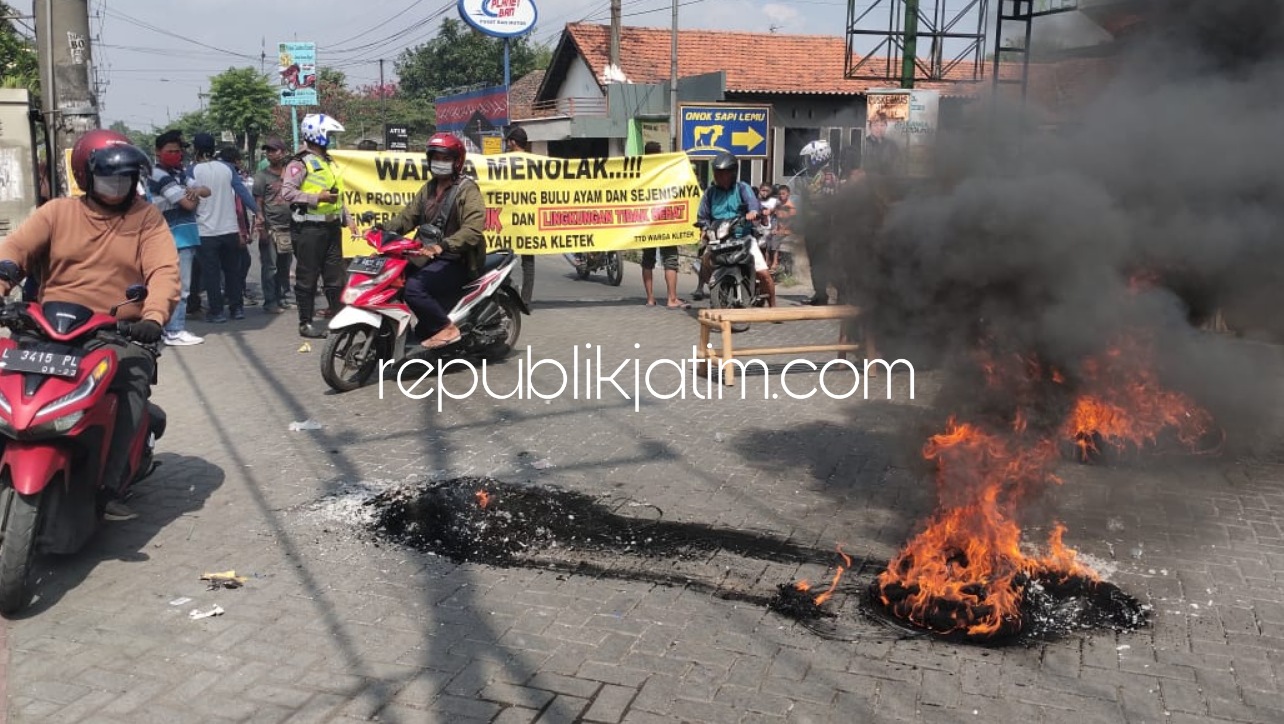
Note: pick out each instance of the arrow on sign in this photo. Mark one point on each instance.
(748, 139)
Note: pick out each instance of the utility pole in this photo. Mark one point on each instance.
(67, 92)
(673, 81)
(615, 33)
(910, 51)
(383, 103)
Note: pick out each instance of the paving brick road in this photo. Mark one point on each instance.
(332, 627)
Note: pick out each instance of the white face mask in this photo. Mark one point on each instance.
(113, 186)
(441, 168)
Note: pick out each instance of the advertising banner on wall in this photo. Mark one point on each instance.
(542, 205)
(454, 111)
(900, 132)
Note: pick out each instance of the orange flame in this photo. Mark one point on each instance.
(483, 499)
(967, 570)
(834, 583)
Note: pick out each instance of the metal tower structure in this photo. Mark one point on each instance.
(909, 41)
(910, 37)
(1021, 14)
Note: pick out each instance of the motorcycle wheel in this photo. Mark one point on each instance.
(727, 296)
(614, 268)
(339, 367)
(510, 318)
(17, 547)
(582, 269)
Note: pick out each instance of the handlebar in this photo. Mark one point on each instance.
(14, 316)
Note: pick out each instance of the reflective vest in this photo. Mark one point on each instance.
(321, 177)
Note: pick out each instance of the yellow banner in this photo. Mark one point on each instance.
(543, 205)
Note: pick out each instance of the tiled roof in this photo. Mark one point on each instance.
(521, 94)
(754, 62)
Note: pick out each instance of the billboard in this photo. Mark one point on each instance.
(499, 18)
(455, 111)
(297, 72)
(900, 132)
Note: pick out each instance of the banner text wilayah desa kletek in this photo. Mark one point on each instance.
(543, 205)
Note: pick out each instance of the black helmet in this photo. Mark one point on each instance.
(119, 160)
(725, 161)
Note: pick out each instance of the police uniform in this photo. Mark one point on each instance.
(316, 230)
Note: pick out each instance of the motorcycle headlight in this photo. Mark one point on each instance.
(353, 291)
(58, 425)
(85, 389)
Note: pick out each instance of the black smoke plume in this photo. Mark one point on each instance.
(1152, 206)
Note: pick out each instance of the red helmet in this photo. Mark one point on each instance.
(451, 146)
(82, 152)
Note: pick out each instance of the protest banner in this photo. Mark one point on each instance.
(543, 205)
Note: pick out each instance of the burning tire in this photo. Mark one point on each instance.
(18, 545)
(349, 358)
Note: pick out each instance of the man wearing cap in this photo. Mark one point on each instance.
(276, 251)
(220, 252)
(176, 196)
(517, 142)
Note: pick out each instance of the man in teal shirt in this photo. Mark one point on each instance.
(726, 198)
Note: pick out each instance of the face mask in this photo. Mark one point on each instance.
(441, 168)
(113, 186)
(171, 159)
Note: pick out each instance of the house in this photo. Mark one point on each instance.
(583, 108)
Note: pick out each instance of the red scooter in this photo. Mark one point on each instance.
(56, 421)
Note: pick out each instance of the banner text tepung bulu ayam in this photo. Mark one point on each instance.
(543, 205)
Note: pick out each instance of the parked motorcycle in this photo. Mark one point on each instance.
(56, 420)
(733, 283)
(375, 323)
(610, 261)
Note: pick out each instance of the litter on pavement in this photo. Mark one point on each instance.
(226, 579)
(197, 614)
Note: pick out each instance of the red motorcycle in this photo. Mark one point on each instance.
(376, 322)
(56, 422)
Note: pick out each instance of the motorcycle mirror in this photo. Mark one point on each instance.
(10, 271)
(134, 294)
(367, 217)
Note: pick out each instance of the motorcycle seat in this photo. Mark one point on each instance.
(494, 260)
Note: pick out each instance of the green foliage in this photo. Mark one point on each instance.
(241, 101)
(143, 139)
(459, 57)
(18, 64)
(361, 111)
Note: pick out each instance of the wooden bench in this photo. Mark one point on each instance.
(720, 320)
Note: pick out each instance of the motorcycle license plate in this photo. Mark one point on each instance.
(371, 265)
(39, 361)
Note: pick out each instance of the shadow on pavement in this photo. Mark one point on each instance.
(179, 486)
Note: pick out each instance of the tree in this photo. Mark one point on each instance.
(192, 123)
(459, 57)
(18, 65)
(361, 111)
(241, 100)
(141, 139)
